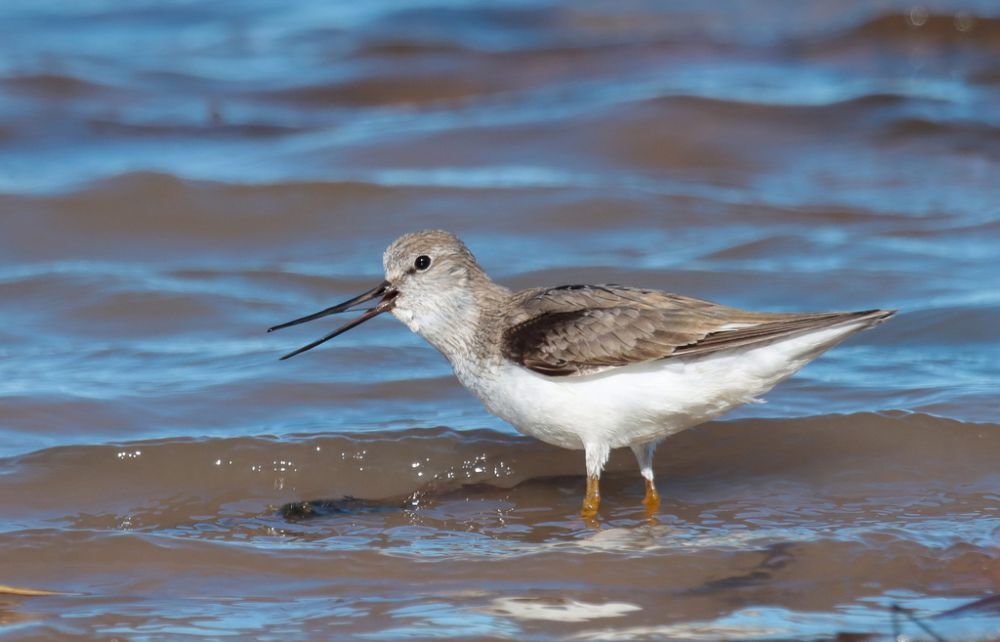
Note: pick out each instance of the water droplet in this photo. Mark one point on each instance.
(918, 16)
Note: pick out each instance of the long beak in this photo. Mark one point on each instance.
(383, 289)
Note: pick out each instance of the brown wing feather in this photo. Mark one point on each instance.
(573, 330)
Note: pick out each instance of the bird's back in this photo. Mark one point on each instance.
(584, 329)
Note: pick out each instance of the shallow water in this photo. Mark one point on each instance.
(178, 176)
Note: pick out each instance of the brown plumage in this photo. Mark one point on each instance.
(582, 329)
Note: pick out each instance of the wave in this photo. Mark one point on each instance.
(57, 86)
(856, 452)
(400, 89)
(919, 26)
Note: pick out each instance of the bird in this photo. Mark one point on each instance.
(590, 367)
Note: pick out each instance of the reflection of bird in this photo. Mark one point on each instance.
(591, 367)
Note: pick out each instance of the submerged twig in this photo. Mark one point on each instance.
(908, 613)
(24, 592)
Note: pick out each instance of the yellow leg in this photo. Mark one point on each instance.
(592, 501)
(652, 499)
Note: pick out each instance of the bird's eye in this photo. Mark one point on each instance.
(422, 263)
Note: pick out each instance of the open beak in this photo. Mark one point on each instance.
(383, 289)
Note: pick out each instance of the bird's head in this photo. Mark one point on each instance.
(428, 284)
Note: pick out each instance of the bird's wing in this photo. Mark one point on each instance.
(583, 329)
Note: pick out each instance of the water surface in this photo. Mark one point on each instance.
(175, 177)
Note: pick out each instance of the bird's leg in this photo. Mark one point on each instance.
(592, 500)
(644, 455)
(652, 499)
(597, 456)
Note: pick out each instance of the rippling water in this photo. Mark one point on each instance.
(177, 176)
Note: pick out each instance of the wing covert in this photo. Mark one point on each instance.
(583, 329)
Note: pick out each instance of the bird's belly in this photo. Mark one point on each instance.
(633, 404)
(643, 402)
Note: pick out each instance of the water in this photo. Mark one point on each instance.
(175, 177)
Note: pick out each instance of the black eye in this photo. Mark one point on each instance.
(423, 262)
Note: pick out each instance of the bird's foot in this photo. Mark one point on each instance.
(652, 499)
(592, 500)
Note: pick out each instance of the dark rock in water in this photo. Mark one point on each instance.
(295, 511)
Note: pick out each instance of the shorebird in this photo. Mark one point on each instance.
(590, 367)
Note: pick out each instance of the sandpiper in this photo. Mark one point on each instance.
(591, 367)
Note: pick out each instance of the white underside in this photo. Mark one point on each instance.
(643, 403)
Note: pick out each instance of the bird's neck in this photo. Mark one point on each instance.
(466, 323)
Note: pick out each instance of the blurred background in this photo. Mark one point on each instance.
(176, 176)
